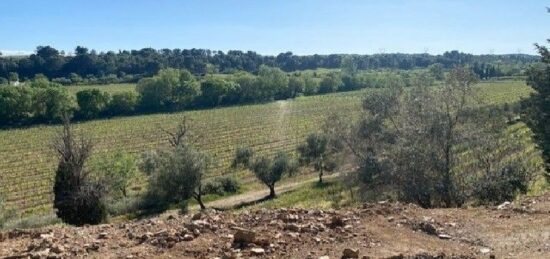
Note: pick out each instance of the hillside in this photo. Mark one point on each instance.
(379, 230)
(267, 128)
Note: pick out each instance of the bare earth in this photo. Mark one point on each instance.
(382, 230)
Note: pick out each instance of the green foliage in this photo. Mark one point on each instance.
(171, 89)
(316, 151)
(51, 103)
(178, 175)
(149, 162)
(122, 103)
(15, 105)
(92, 103)
(270, 171)
(77, 199)
(536, 109)
(243, 157)
(331, 83)
(502, 184)
(116, 173)
(221, 186)
(272, 83)
(216, 91)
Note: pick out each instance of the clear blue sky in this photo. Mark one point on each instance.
(270, 27)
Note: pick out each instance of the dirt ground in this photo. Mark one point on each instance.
(381, 230)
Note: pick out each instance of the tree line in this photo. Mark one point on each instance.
(43, 101)
(90, 67)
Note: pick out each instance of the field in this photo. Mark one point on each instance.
(109, 88)
(27, 162)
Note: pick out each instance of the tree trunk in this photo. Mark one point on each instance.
(272, 191)
(198, 197)
(321, 171)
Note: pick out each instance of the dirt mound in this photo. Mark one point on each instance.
(381, 230)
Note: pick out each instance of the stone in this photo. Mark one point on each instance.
(428, 228)
(58, 249)
(244, 236)
(324, 257)
(188, 237)
(444, 236)
(292, 227)
(336, 221)
(196, 216)
(485, 250)
(257, 251)
(504, 205)
(350, 253)
(103, 235)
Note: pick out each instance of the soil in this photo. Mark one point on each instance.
(374, 230)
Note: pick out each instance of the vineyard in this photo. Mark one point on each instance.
(27, 162)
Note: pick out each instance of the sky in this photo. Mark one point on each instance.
(270, 26)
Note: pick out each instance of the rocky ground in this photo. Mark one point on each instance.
(381, 230)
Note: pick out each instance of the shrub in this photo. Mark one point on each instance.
(503, 184)
(178, 176)
(78, 201)
(243, 157)
(122, 103)
(149, 162)
(92, 103)
(116, 172)
(221, 186)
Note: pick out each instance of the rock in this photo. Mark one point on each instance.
(188, 237)
(103, 235)
(504, 205)
(324, 257)
(350, 253)
(336, 221)
(292, 227)
(244, 236)
(485, 250)
(58, 249)
(262, 242)
(444, 236)
(197, 216)
(427, 228)
(257, 251)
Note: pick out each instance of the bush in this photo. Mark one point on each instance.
(77, 200)
(149, 162)
(222, 186)
(5, 214)
(502, 185)
(122, 103)
(116, 172)
(92, 103)
(243, 157)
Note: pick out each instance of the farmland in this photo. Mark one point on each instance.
(27, 163)
(109, 88)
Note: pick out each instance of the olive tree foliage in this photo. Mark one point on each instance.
(536, 109)
(411, 141)
(317, 151)
(116, 173)
(175, 175)
(78, 200)
(243, 157)
(271, 170)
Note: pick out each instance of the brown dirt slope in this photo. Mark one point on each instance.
(381, 230)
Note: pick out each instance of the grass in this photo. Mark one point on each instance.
(27, 163)
(109, 88)
(329, 195)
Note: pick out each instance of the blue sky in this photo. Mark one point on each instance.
(270, 27)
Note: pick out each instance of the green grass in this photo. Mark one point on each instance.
(109, 88)
(329, 195)
(27, 162)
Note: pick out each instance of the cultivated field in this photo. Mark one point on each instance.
(110, 88)
(27, 163)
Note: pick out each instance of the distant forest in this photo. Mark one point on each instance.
(131, 65)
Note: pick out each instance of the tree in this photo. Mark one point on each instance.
(331, 83)
(15, 105)
(171, 89)
(437, 71)
(13, 77)
(77, 199)
(270, 171)
(316, 151)
(52, 103)
(216, 91)
(116, 173)
(536, 109)
(296, 85)
(178, 177)
(243, 157)
(122, 103)
(92, 103)
(272, 83)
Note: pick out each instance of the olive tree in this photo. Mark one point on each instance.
(271, 170)
(316, 151)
